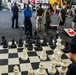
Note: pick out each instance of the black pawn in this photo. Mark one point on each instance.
(20, 44)
(51, 40)
(67, 47)
(3, 38)
(5, 45)
(51, 43)
(30, 46)
(13, 45)
(44, 43)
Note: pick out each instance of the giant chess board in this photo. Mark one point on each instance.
(9, 57)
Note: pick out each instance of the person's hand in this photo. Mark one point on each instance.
(61, 20)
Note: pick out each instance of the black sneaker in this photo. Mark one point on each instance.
(17, 27)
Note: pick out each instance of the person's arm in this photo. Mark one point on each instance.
(30, 14)
(72, 57)
(60, 16)
(74, 13)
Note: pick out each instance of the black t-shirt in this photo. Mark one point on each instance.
(15, 11)
(63, 13)
(40, 11)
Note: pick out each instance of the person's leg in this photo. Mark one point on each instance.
(12, 22)
(25, 28)
(37, 23)
(40, 22)
(73, 24)
(17, 22)
(30, 27)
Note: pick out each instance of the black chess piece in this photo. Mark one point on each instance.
(20, 43)
(34, 36)
(5, 45)
(13, 45)
(37, 42)
(38, 47)
(66, 47)
(30, 46)
(52, 43)
(3, 38)
(27, 34)
(51, 40)
(27, 40)
(56, 37)
(44, 43)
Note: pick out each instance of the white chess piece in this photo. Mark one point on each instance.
(55, 55)
(59, 59)
(30, 72)
(52, 69)
(41, 70)
(59, 40)
(63, 68)
(16, 70)
(43, 55)
(25, 55)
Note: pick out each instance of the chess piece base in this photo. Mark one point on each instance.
(41, 73)
(51, 71)
(43, 58)
(24, 58)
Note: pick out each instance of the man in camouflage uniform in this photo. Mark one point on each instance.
(47, 20)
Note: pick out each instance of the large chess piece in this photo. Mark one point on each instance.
(38, 44)
(13, 45)
(5, 45)
(30, 46)
(35, 36)
(41, 70)
(43, 55)
(3, 38)
(30, 72)
(20, 43)
(66, 47)
(56, 37)
(27, 40)
(58, 59)
(25, 55)
(63, 68)
(44, 42)
(16, 70)
(27, 34)
(52, 69)
(51, 40)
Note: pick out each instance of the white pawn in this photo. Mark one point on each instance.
(43, 55)
(16, 70)
(25, 55)
(63, 68)
(41, 70)
(30, 72)
(52, 69)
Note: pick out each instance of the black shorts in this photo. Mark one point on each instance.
(61, 23)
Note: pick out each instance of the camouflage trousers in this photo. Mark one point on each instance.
(38, 23)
